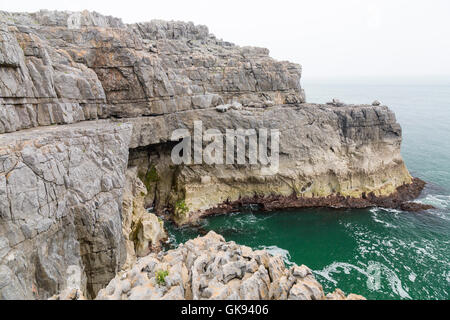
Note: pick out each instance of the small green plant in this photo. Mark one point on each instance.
(150, 177)
(181, 209)
(161, 277)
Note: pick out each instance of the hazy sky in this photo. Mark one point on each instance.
(344, 38)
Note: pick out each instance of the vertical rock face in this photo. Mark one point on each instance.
(210, 268)
(61, 188)
(80, 92)
(143, 231)
(60, 67)
(60, 208)
(345, 156)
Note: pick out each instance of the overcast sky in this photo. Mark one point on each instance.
(333, 39)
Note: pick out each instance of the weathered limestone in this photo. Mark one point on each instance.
(210, 268)
(143, 231)
(60, 207)
(69, 294)
(67, 67)
(63, 171)
(325, 151)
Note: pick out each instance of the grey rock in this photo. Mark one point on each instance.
(84, 96)
(52, 226)
(336, 102)
(222, 108)
(150, 68)
(199, 281)
(300, 271)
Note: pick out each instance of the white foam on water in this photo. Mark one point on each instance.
(425, 248)
(396, 284)
(441, 202)
(390, 210)
(334, 268)
(172, 240)
(375, 273)
(378, 219)
(436, 200)
(276, 251)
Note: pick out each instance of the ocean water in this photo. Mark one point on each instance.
(379, 253)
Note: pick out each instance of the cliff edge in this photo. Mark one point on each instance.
(88, 108)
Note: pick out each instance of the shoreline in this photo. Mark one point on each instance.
(402, 199)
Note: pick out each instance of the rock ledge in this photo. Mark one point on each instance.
(210, 268)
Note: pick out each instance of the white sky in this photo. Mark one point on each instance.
(330, 38)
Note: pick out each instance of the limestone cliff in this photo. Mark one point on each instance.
(60, 207)
(143, 231)
(329, 156)
(85, 98)
(210, 268)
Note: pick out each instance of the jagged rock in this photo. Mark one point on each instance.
(300, 271)
(376, 103)
(57, 219)
(69, 294)
(340, 295)
(222, 108)
(82, 94)
(143, 231)
(336, 103)
(210, 268)
(306, 290)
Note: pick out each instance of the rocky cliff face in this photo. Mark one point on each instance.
(87, 109)
(143, 231)
(329, 156)
(66, 67)
(60, 204)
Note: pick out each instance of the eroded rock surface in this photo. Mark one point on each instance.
(83, 97)
(60, 208)
(63, 67)
(210, 268)
(329, 156)
(143, 231)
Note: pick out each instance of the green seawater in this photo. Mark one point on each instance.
(379, 253)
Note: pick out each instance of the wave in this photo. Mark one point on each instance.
(333, 268)
(438, 201)
(376, 218)
(375, 273)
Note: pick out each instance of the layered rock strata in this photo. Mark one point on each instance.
(210, 268)
(328, 156)
(143, 231)
(60, 208)
(62, 67)
(88, 106)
